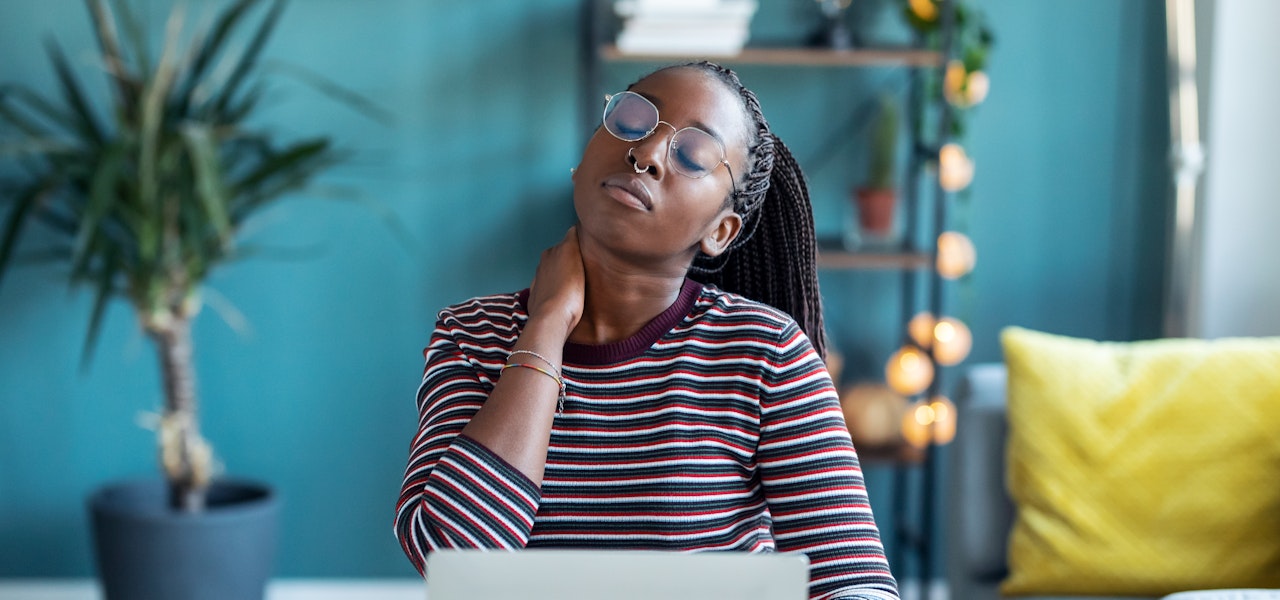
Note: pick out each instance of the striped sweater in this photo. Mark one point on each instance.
(715, 427)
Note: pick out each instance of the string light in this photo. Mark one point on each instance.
(955, 168)
(920, 328)
(872, 413)
(951, 341)
(962, 88)
(909, 371)
(944, 420)
(932, 422)
(956, 255)
(916, 424)
(948, 337)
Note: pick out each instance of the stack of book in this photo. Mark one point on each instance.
(684, 27)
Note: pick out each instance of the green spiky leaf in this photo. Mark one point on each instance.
(249, 59)
(13, 225)
(102, 295)
(86, 122)
(208, 51)
(209, 183)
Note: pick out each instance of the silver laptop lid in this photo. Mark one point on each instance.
(621, 575)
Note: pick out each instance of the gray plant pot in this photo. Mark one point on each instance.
(145, 551)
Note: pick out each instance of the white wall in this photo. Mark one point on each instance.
(1238, 291)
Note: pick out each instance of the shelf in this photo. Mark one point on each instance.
(887, 57)
(889, 455)
(833, 258)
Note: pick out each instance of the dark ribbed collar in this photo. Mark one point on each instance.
(637, 344)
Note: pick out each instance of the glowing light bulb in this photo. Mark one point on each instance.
(952, 341)
(955, 168)
(944, 420)
(944, 332)
(956, 255)
(909, 371)
(977, 87)
(953, 84)
(872, 413)
(924, 414)
(914, 431)
(920, 328)
(924, 9)
(963, 89)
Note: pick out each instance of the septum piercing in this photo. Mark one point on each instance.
(635, 162)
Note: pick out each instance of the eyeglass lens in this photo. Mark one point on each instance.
(692, 152)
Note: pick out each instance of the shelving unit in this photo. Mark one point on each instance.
(833, 256)
(810, 57)
(909, 257)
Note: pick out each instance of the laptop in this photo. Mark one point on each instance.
(616, 575)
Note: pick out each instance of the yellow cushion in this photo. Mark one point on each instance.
(1142, 468)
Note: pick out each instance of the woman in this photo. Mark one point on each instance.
(619, 404)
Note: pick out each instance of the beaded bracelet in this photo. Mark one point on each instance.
(559, 381)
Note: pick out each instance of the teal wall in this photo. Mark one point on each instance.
(1068, 207)
(1066, 211)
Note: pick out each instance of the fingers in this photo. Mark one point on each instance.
(549, 255)
(574, 242)
(571, 238)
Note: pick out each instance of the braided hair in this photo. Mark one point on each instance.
(774, 258)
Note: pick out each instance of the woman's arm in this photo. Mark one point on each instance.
(456, 492)
(812, 480)
(515, 422)
(476, 464)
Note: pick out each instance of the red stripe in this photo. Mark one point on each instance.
(497, 516)
(668, 408)
(550, 525)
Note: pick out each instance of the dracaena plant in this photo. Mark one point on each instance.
(144, 195)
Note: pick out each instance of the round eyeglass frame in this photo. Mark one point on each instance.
(724, 155)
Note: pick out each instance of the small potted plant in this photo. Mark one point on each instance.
(144, 198)
(877, 198)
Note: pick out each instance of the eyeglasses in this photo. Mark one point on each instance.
(691, 152)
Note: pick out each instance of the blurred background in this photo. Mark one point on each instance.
(1069, 211)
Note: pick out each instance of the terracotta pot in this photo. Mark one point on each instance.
(875, 210)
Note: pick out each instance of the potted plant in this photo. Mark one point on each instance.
(145, 197)
(877, 197)
(964, 83)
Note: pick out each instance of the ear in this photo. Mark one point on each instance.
(723, 231)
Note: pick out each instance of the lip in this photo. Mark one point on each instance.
(628, 189)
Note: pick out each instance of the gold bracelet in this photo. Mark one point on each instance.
(559, 381)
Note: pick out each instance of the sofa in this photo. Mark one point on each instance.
(981, 515)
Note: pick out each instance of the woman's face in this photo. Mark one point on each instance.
(658, 215)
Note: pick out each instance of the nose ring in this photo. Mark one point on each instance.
(635, 162)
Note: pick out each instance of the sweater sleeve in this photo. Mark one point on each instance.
(456, 492)
(812, 480)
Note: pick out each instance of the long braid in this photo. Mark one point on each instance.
(774, 259)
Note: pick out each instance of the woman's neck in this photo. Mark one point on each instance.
(621, 299)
